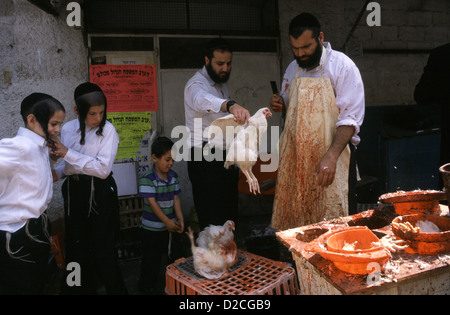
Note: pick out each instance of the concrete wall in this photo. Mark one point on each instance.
(38, 53)
(389, 78)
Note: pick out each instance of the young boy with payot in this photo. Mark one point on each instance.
(26, 189)
(88, 148)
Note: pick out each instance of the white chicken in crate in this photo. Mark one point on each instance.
(216, 250)
(243, 150)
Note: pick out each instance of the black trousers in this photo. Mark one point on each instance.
(214, 188)
(157, 253)
(91, 233)
(25, 272)
(154, 251)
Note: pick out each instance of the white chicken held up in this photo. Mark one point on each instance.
(244, 149)
(216, 250)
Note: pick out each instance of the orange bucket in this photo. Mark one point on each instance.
(425, 243)
(359, 264)
(445, 173)
(358, 261)
(353, 241)
(414, 202)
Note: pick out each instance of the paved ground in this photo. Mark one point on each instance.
(252, 234)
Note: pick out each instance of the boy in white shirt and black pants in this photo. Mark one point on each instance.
(26, 188)
(89, 147)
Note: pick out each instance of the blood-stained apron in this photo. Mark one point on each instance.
(308, 133)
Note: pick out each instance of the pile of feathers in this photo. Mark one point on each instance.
(216, 250)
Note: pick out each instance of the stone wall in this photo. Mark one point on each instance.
(38, 53)
(391, 57)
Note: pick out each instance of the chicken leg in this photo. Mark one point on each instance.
(252, 181)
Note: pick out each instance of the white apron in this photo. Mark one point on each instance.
(308, 133)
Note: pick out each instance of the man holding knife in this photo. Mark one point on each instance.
(323, 96)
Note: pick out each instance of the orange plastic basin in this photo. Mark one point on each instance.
(405, 208)
(445, 172)
(359, 264)
(414, 202)
(362, 240)
(359, 261)
(425, 243)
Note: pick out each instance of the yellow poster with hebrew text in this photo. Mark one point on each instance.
(131, 127)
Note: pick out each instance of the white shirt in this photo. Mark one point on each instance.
(95, 158)
(346, 82)
(26, 183)
(203, 99)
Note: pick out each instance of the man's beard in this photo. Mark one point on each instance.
(215, 77)
(313, 59)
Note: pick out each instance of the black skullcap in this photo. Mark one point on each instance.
(29, 101)
(86, 95)
(33, 98)
(42, 106)
(303, 21)
(217, 44)
(85, 88)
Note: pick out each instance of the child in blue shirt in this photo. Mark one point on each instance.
(162, 214)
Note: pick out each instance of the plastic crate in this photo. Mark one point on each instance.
(130, 211)
(252, 275)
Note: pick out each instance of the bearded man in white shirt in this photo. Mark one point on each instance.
(322, 96)
(206, 97)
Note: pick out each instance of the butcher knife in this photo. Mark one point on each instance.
(274, 87)
(275, 93)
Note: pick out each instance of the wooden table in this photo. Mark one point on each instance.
(404, 274)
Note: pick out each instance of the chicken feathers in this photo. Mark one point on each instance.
(216, 250)
(218, 130)
(244, 148)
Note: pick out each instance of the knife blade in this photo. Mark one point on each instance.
(274, 87)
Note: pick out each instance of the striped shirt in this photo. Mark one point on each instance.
(152, 186)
